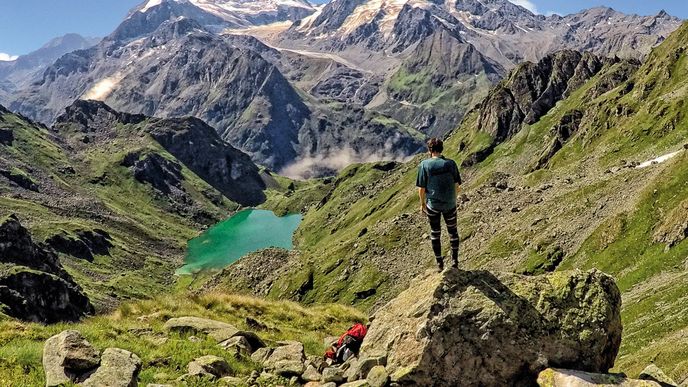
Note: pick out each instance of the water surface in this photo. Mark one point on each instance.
(245, 232)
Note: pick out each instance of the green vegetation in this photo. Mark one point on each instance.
(138, 327)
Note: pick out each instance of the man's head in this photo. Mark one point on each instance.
(435, 146)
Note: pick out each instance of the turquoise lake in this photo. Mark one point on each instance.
(245, 232)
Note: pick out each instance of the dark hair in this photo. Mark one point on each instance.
(435, 145)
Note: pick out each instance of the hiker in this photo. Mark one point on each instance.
(347, 346)
(438, 185)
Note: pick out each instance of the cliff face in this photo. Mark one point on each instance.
(33, 284)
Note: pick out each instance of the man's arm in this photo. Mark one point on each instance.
(422, 196)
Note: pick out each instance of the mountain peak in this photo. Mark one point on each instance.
(237, 13)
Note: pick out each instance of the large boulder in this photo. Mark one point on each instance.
(118, 368)
(480, 328)
(569, 378)
(287, 360)
(65, 356)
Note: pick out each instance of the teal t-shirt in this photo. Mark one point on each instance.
(439, 177)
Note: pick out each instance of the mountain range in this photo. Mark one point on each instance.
(295, 85)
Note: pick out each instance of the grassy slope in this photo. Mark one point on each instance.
(137, 326)
(148, 238)
(597, 214)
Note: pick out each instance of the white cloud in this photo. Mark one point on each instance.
(527, 4)
(7, 57)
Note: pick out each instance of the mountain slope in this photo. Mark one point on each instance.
(383, 36)
(585, 205)
(20, 73)
(119, 195)
(183, 70)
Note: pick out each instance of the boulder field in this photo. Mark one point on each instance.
(458, 328)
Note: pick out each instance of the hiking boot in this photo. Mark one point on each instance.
(440, 264)
(455, 263)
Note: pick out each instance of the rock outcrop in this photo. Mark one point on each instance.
(69, 358)
(33, 284)
(479, 328)
(530, 91)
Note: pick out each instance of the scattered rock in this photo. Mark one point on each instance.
(311, 374)
(261, 355)
(210, 364)
(358, 383)
(224, 335)
(563, 318)
(359, 368)
(655, 374)
(118, 368)
(20, 178)
(195, 339)
(66, 355)
(568, 378)
(238, 346)
(287, 359)
(378, 377)
(332, 374)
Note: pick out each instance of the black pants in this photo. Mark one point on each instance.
(435, 218)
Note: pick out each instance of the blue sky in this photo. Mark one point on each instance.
(25, 25)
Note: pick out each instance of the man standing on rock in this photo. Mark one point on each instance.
(438, 184)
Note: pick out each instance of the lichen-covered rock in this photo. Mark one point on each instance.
(479, 328)
(287, 359)
(378, 377)
(118, 368)
(66, 355)
(358, 368)
(311, 374)
(210, 364)
(655, 374)
(238, 346)
(332, 374)
(261, 355)
(569, 378)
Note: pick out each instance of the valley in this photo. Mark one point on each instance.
(128, 164)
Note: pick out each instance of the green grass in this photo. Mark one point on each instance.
(138, 327)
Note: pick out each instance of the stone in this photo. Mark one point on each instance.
(357, 383)
(654, 373)
(378, 377)
(195, 339)
(158, 385)
(287, 360)
(210, 364)
(195, 378)
(514, 325)
(261, 355)
(359, 367)
(231, 381)
(311, 374)
(118, 368)
(332, 374)
(196, 325)
(238, 346)
(223, 335)
(568, 378)
(67, 354)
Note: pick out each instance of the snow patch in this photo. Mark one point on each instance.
(150, 4)
(367, 12)
(7, 57)
(659, 159)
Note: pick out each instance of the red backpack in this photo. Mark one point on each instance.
(348, 343)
